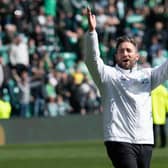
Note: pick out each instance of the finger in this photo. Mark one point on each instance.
(89, 11)
(93, 17)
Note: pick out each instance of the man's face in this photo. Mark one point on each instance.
(127, 55)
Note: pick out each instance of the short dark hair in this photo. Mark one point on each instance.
(122, 39)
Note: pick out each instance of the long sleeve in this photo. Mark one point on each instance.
(12, 55)
(125, 97)
(159, 74)
(92, 57)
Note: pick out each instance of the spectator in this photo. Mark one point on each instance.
(38, 35)
(19, 16)
(158, 60)
(50, 86)
(51, 106)
(31, 48)
(78, 76)
(92, 102)
(74, 97)
(56, 106)
(9, 33)
(64, 86)
(50, 31)
(63, 108)
(23, 83)
(155, 45)
(120, 9)
(5, 72)
(143, 62)
(19, 57)
(5, 12)
(78, 5)
(41, 17)
(51, 28)
(87, 92)
(50, 7)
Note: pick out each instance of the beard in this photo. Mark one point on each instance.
(129, 64)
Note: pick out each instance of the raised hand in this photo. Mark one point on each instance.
(91, 20)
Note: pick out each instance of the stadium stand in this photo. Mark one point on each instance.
(42, 56)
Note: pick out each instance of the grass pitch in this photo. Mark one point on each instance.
(85, 154)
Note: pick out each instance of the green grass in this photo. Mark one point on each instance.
(87, 154)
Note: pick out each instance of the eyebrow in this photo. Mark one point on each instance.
(125, 39)
(121, 49)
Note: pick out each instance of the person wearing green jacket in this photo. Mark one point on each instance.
(159, 110)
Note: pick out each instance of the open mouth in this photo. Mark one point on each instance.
(126, 61)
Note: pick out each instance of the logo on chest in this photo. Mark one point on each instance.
(134, 80)
(145, 81)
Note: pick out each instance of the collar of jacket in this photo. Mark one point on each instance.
(126, 71)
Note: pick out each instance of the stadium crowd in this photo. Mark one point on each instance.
(42, 70)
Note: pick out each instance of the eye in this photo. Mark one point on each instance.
(129, 50)
(120, 51)
(123, 50)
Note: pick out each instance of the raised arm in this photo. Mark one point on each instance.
(92, 54)
(91, 20)
(159, 74)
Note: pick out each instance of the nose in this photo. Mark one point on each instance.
(125, 53)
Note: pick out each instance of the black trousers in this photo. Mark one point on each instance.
(126, 155)
(159, 131)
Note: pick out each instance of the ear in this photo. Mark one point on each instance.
(115, 56)
(137, 56)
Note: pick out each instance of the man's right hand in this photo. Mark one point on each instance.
(91, 20)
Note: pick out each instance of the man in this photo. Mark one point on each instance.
(126, 100)
(18, 54)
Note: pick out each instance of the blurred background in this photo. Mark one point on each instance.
(46, 92)
(42, 69)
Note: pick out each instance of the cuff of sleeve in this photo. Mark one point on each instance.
(92, 32)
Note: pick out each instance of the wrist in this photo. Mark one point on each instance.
(92, 29)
